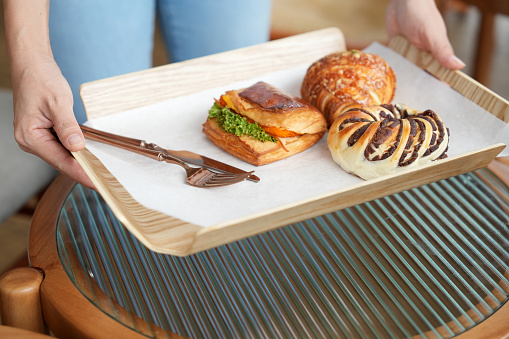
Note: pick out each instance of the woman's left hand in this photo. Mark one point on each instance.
(422, 24)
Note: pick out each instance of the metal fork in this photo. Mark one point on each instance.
(195, 176)
(201, 176)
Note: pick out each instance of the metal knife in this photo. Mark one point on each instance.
(186, 156)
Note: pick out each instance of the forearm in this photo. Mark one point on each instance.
(26, 30)
(42, 97)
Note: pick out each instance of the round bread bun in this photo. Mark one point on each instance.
(371, 141)
(344, 77)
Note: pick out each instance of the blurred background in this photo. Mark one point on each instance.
(362, 22)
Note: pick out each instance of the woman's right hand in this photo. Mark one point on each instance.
(43, 101)
(42, 97)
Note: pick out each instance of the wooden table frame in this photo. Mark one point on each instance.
(69, 314)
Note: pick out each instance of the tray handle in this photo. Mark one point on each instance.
(461, 82)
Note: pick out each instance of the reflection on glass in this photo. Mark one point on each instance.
(428, 261)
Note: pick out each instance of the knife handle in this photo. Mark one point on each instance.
(119, 139)
(124, 145)
(111, 136)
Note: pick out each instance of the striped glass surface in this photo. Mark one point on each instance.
(429, 262)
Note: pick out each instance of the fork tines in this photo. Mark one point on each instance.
(206, 178)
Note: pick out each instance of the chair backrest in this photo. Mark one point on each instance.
(496, 6)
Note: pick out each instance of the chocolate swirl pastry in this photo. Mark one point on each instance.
(375, 140)
(344, 77)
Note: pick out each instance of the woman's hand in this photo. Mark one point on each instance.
(43, 101)
(42, 97)
(422, 24)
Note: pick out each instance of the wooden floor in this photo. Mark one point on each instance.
(298, 16)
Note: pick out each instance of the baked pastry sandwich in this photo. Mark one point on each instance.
(261, 124)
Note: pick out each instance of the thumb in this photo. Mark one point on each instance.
(391, 21)
(69, 133)
(443, 52)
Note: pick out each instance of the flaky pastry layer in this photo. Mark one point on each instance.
(256, 152)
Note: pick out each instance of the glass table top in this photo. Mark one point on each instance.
(429, 262)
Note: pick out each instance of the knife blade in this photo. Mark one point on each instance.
(186, 156)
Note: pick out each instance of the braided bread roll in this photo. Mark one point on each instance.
(372, 141)
(344, 77)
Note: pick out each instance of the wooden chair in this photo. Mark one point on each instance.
(486, 34)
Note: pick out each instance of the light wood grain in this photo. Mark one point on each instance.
(154, 229)
(116, 94)
(170, 235)
(165, 234)
(468, 87)
(351, 196)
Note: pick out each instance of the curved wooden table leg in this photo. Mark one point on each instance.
(68, 313)
(20, 299)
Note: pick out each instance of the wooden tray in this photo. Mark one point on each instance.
(167, 234)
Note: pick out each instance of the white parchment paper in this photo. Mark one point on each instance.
(177, 124)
